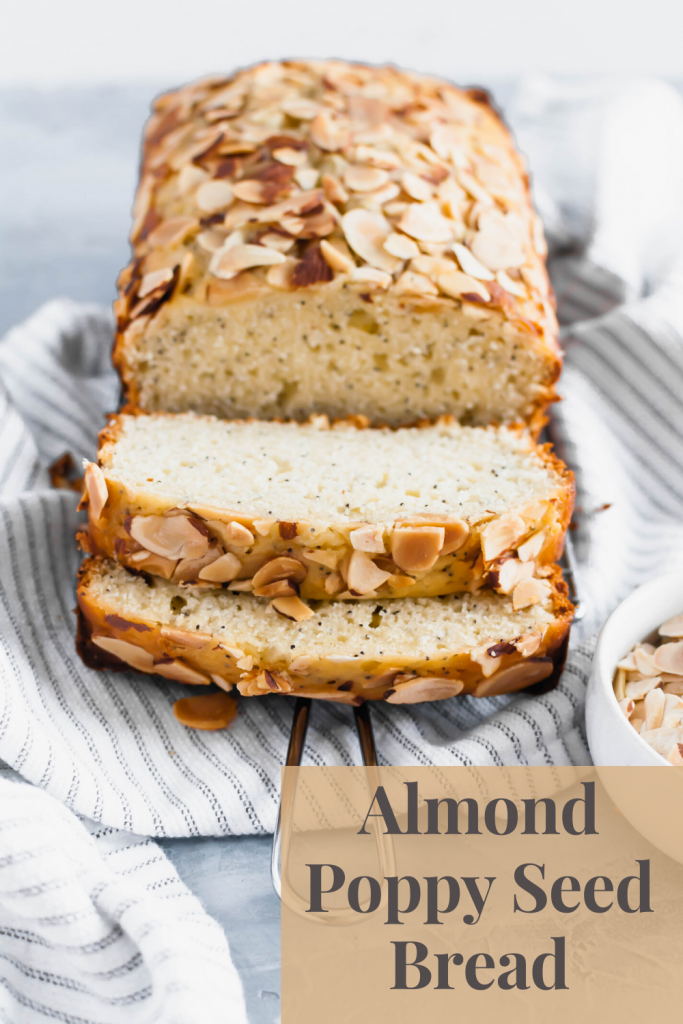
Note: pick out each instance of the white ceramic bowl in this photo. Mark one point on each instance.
(611, 739)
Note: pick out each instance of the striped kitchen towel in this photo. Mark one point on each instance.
(96, 927)
(108, 746)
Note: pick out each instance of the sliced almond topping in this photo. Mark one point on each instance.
(300, 109)
(366, 232)
(335, 258)
(496, 244)
(232, 533)
(528, 644)
(514, 287)
(360, 178)
(290, 157)
(228, 262)
(190, 568)
(640, 687)
(368, 538)
(280, 568)
(301, 665)
(175, 537)
(401, 246)
(470, 264)
(153, 280)
(246, 663)
(676, 754)
(264, 526)
(627, 706)
(292, 608)
(416, 548)
(155, 564)
(416, 187)
(654, 708)
(456, 284)
(251, 191)
(280, 588)
(211, 240)
(425, 222)
(363, 575)
(423, 688)
(187, 637)
(512, 572)
(645, 662)
(669, 658)
(377, 157)
(399, 582)
(222, 570)
(334, 583)
(516, 677)
(672, 627)
(306, 177)
(173, 231)
(410, 283)
(190, 176)
(223, 683)
(210, 711)
(502, 534)
(281, 243)
(456, 534)
(334, 190)
(282, 274)
(329, 132)
(371, 277)
(242, 586)
(213, 196)
(531, 548)
(96, 486)
(174, 668)
(134, 656)
(481, 656)
(529, 592)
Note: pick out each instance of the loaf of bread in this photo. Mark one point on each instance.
(404, 651)
(322, 237)
(345, 511)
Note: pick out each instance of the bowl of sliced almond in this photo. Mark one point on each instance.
(634, 708)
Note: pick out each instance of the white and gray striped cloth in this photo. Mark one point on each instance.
(608, 159)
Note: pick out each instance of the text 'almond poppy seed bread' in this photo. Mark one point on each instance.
(322, 237)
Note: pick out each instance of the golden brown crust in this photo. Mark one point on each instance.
(294, 175)
(465, 557)
(495, 668)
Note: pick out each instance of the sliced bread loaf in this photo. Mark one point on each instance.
(403, 651)
(345, 511)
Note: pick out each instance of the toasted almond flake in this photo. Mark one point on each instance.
(134, 656)
(627, 706)
(213, 196)
(416, 187)
(410, 283)
(329, 131)
(364, 154)
(300, 109)
(334, 583)
(416, 548)
(455, 284)
(306, 177)
(424, 688)
(447, 142)
(530, 592)
(334, 190)
(280, 568)
(290, 157)
(432, 266)
(335, 258)
(292, 608)
(401, 246)
(301, 664)
(187, 637)
(366, 232)
(222, 570)
(96, 486)
(211, 240)
(278, 242)
(363, 575)
(499, 536)
(531, 548)
(154, 280)
(654, 708)
(226, 263)
(470, 264)
(280, 588)
(528, 644)
(496, 244)
(675, 755)
(281, 275)
(223, 683)
(514, 287)
(233, 533)
(481, 656)
(190, 176)
(173, 231)
(264, 526)
(475, 188)
(512, 572)
(645, 662)
(368, 538)
(672, 627)
(175, 537)
(241, 586)
(516, 677)
(425, 222)
(669, 658)
(371, 277)
(360, 178)
(330, 559)
(235, 652)
(211, 711)
(245, 663)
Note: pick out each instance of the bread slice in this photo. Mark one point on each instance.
(402, 651)
(345, 511)
(322, 237)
